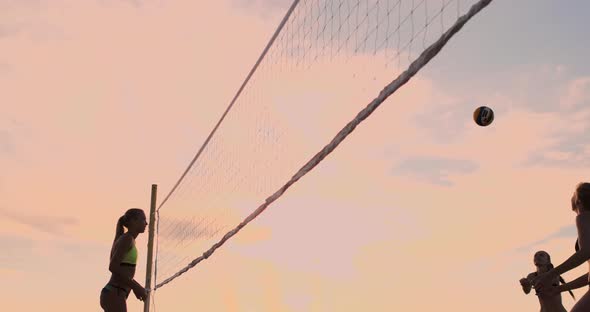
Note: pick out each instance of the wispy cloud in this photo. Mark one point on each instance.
(13, 243)
(561, 111)
(262, 5)
(9, 4)
(569, 151)
(577, 94)
(435, 170)
(6, 142)
(571, 135)
(44, 223)
(9, 30)
(5, 68)
(14, 250)
(564, 232)
(134, 3)
(445, 119)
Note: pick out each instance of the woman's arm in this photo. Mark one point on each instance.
(572, 262)
(121, 247)
(575, 284)
(582, 255)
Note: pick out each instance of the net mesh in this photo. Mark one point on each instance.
(327, 60)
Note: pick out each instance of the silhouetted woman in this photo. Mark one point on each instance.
(581, 206)
(113, 297)
(552, 302)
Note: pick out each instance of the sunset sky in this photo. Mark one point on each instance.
(418, 209)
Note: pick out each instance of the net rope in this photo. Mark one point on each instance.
(296, 51)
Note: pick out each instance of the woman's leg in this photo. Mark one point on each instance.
(583, 304)
(113, 300)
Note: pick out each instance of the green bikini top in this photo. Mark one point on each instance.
(131, 256)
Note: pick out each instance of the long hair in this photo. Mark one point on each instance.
(561, 280)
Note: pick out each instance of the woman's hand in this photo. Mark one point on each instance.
(140, 293)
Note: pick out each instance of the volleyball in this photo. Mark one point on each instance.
(483, 116)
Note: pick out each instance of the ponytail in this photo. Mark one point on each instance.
(120, 230)
(561, 280)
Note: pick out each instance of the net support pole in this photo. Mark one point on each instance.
(150, 254)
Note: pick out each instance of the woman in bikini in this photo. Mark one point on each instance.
(551, 303)
(113, 297)
(542, 283)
